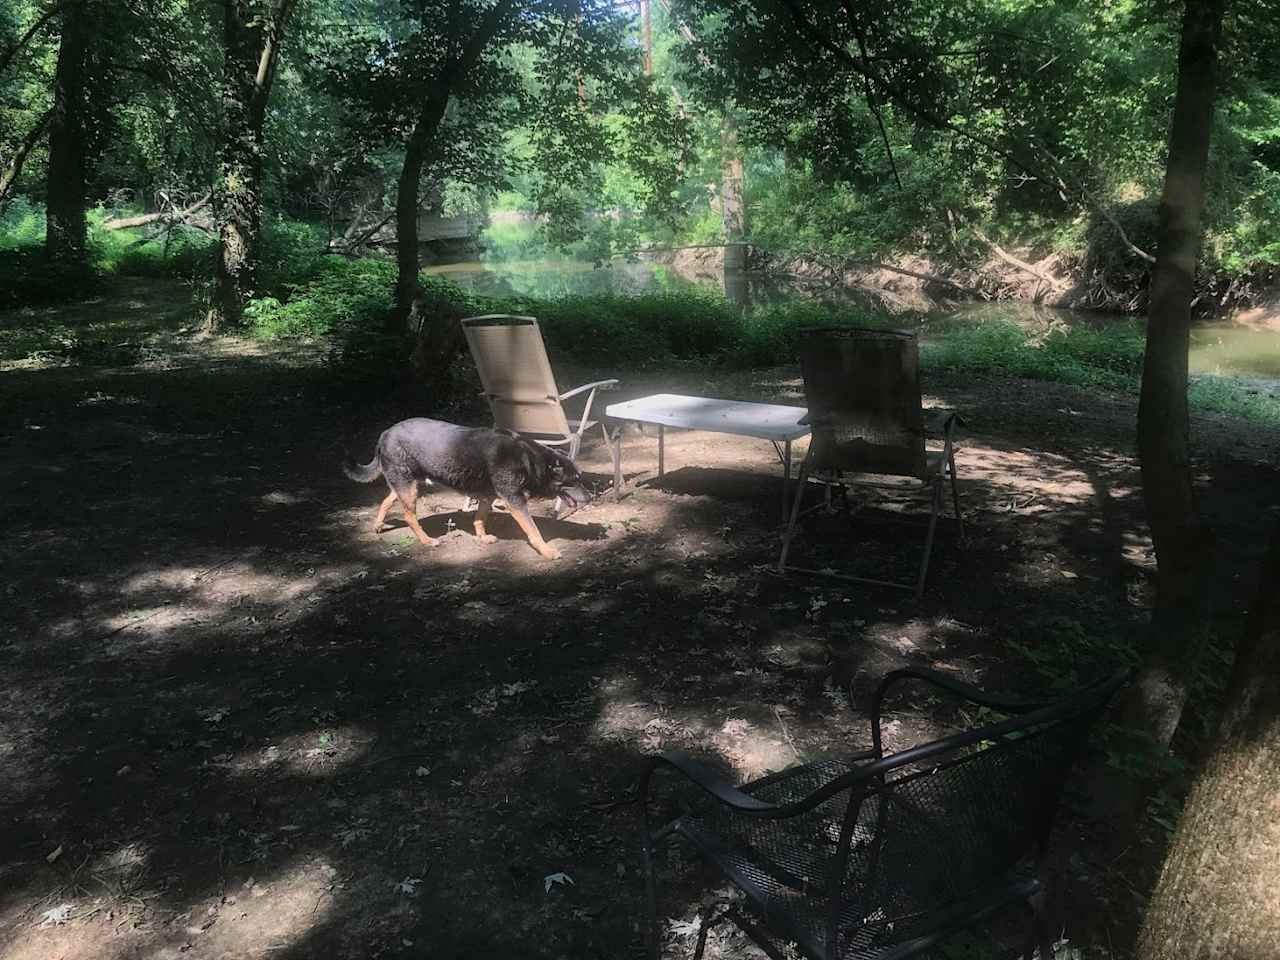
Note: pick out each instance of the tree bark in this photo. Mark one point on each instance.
(1218, 897)
(251, 38)
(415, 154)
(1183, 541)
(733, 207)
(13, 169)
(65, 231)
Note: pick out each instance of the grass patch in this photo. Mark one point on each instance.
(1240, 398)
(1106, 357)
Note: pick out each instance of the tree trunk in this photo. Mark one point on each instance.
(646, 22)
(415, 155)
(65, 232)
(733, 208)
(13, 169)
(1219, 893)
(251, 39)
(1183, 542)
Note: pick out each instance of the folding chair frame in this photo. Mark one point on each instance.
(572, 436)
(934, 482)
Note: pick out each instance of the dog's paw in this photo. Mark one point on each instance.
(487, 538)
(550, 553)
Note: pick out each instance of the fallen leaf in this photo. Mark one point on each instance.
(552, 879)
(58, 915)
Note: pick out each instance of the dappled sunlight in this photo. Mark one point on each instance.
(1024, 481)
(250, 916)
(317, 754)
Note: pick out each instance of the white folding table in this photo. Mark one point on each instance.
(766, 421)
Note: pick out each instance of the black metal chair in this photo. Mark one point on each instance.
(880, 857)
(862, 389)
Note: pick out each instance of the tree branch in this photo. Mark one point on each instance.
(268, 59)
(172, 217)
(938, 122)
(870, 94)
(14, 167)
(26, 37)
(1015, 262)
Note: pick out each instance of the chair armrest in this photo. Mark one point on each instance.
(719, 788)
(957, 688)
(599, 384)
(943, 422)
(706, 778)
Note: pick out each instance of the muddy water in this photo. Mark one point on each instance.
(1217, 349)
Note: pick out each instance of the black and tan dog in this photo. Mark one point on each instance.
(479, 462)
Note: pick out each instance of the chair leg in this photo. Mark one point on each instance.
(955, 495)
(935, 505)
(615, 451)
(795, 514)
(652, 933)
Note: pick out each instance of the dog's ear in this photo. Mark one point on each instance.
(533, 457)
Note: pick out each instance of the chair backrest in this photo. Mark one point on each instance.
(516, 375)
(862, 388)
(954, 817)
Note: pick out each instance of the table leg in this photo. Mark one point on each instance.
(786, 478)
(617, 463)
(661, 450)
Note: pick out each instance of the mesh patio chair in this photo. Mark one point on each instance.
(520, 387)
(875, 857)
(862, 388)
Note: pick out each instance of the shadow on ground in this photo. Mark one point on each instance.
(235, 723)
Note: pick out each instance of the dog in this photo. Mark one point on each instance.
(482, 463)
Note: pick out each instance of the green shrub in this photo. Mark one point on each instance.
(27, 278)
(1106, 357)
(341, 294)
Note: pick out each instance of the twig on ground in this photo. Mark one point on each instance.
(791, 743)
(121, 629)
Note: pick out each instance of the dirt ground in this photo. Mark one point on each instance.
(234, 723)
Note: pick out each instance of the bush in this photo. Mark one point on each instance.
(342, 294)
(27, 278)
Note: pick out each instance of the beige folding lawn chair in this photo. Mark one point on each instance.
(520, 387)
(862, 388)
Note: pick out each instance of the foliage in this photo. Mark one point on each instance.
(338, 295)
(1109, 356)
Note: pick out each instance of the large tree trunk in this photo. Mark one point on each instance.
(733, 206)
(251, 37)
(65, 233)
(1182, 539)
(415, 155)
(1219, 894)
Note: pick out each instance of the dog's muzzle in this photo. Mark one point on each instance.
(570, 500)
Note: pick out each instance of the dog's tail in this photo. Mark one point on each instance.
(362, 473)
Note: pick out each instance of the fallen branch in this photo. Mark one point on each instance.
(1022, 265)
(165, 216)
(349, 245)
(843, 265)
